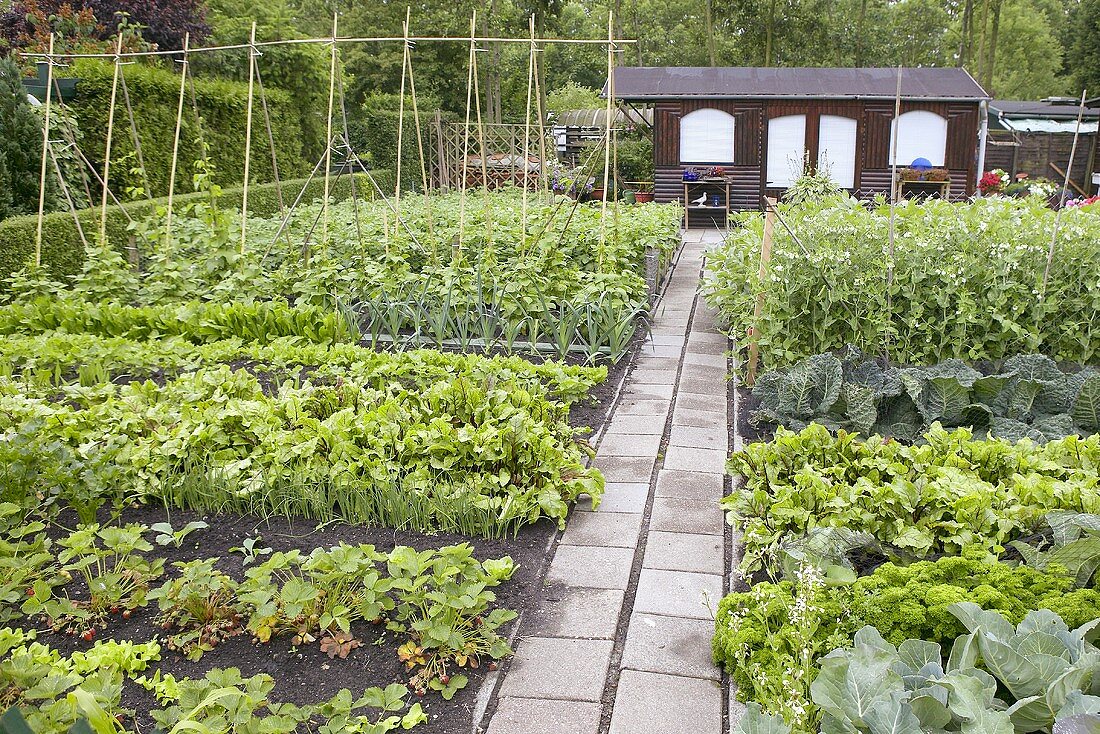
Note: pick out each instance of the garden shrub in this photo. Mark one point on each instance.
(154, 95)
(63, 251)
(966, 281)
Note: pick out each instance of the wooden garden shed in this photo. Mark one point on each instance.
(761, 124)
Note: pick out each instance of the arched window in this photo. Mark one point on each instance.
(921, 134)
(786, 149)
(706, 136)
(836, 149)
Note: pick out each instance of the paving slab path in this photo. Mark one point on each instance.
(625, 645)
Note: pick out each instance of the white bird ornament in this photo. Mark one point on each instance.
(701, 201)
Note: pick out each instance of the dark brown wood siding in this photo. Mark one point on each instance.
(873, 122)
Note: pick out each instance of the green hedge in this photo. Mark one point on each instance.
(154, 96)
(63, 252)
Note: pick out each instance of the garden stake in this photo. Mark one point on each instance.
(248, 134)
(758, 311)
(45, 149)
(1062, 199)
(607, 135)
(424, 165)
(527, 131)
(328, 135)
(271, 140)
(110, 140)
(457, 250)
(69, 199)
(547, 193)
(401, 115)
(486, 211)
(894, 191)
(135, 136)
(347, 144)
(420, 146)
(176, 140)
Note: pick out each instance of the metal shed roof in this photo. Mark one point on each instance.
(677, 82)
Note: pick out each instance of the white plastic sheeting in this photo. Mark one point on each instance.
(921, 134)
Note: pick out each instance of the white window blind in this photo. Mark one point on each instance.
(921, 134)
(706, 136)
(837, 149)
(786, 149)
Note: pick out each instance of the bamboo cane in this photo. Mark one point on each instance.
(893, 214)
(420, 147)
(176, 140)
(45, 155)
(607, 136)
(271, 140)
(485, 210)
(542, 121)
(135, 136)
(328, 136)
(527, 131)
(1062, 199)
(248, 135)
(457, 253)
(110, 141)
(401, 115)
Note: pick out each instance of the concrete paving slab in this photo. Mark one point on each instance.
(648, 362)
(578, 613)
(695, 459)
(653, 376)
(716, 438)
(695, 417)
(651, 703)
(677, 515)
(643, 406)
(643, 391)
(690, 485)
(710, 403)
(667, 340)
(625, 468)
(656, 350)
(684, 552)
(543, 716)
(550, 667)
(670, 645)
(718, 390)
(591, 567)
(678, 593)
(607, 529)
(619, 497)
(641, 425)
(629, 444)
(695, 371)
(707, 360)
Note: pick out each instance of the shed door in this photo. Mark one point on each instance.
(786, 150)
(836, 148)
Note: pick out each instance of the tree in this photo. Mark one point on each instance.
(20, 144)
(1082, 40)
(1029, 58)
(302, 70)
(91, 25)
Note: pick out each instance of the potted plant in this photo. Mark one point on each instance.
(691, 173)
(993, 182)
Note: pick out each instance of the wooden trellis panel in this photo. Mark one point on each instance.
(504, 146)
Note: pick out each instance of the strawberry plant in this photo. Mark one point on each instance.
(444, 601)
(317, 596)
(116, 578)
(199, 607)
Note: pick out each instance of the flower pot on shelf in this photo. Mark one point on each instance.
(643, 197)
(596, 195)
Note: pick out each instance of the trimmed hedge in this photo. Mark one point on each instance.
(63, 251)
(154, 96)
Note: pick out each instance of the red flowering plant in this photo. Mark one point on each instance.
(992, 182)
